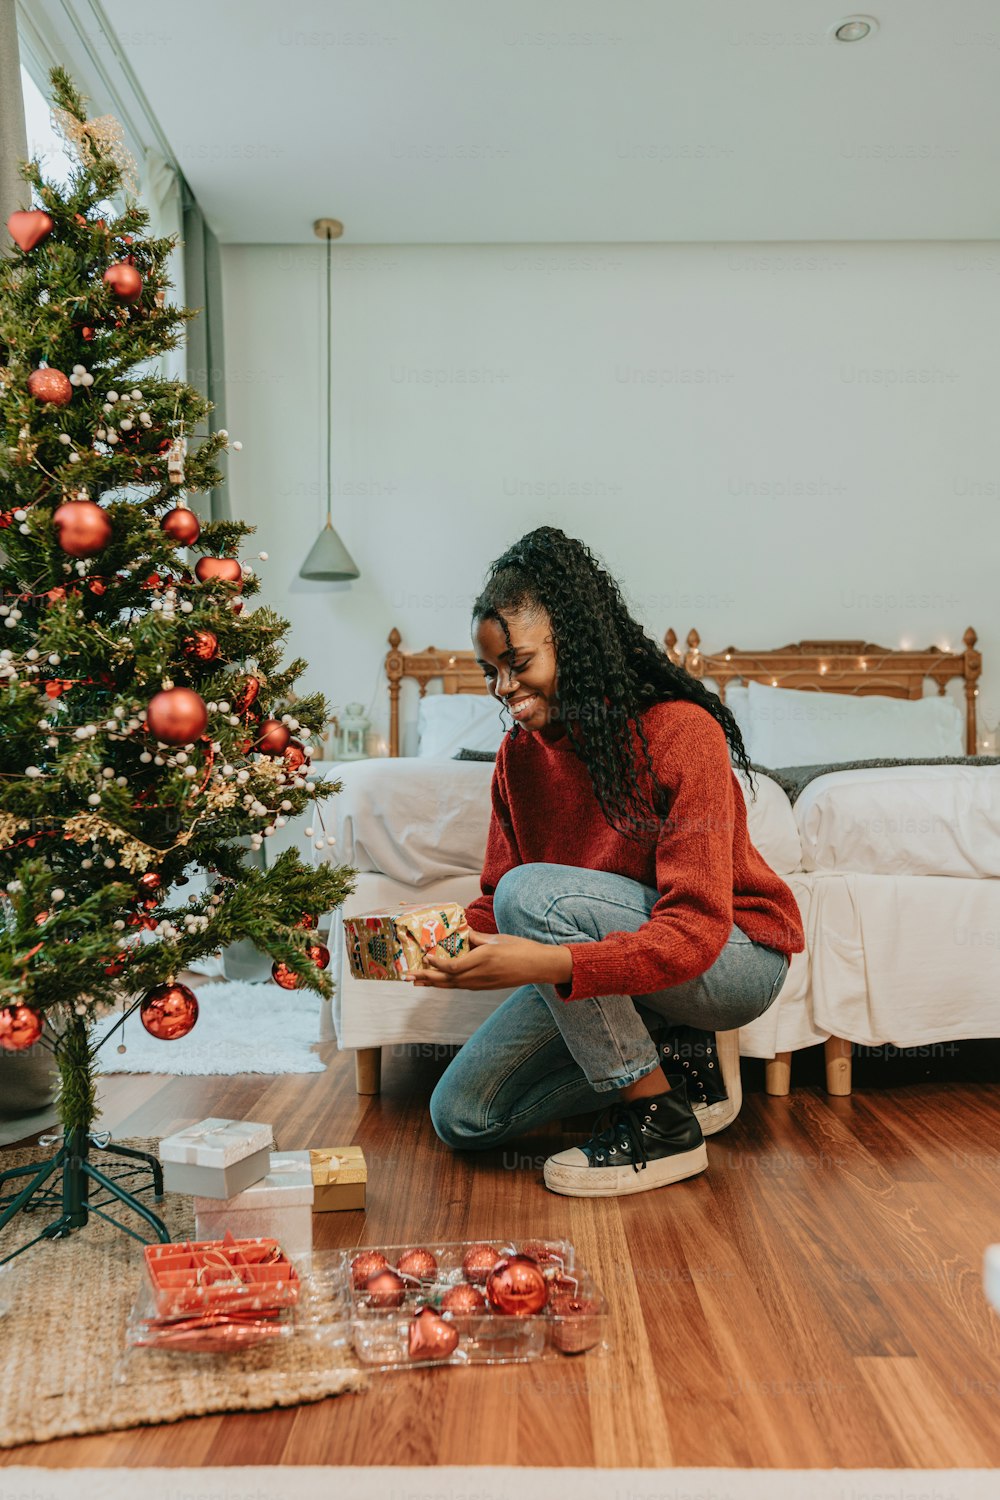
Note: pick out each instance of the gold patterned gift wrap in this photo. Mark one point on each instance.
(340, 1176)
(389, 944)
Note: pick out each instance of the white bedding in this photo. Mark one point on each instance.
(902, 820)
(903, 959)
(419, 820)
(906, 956)
(415, 820)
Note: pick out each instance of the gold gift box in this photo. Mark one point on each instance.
(339, 1178)
(389, 944)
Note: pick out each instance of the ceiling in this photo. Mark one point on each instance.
(492, 121)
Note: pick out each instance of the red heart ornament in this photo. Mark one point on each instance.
(28, 227)
(431, 1337)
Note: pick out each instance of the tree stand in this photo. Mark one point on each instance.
(69, 1180)
(77, 1178)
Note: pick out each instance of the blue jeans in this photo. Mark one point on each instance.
(537, 1057)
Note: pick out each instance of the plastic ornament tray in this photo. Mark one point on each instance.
(211, 1276)
(380, 1335)
(331, 1315)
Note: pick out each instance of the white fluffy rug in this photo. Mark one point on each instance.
(306, 1483)
(242, 1028)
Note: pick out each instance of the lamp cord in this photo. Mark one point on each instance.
(329, 384)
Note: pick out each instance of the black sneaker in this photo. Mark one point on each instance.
(710, 1061)
(635, 1145)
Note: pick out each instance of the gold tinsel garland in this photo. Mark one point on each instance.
(93, 139)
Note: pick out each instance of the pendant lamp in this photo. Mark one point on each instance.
(329, 560)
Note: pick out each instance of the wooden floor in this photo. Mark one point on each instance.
(814, 1299)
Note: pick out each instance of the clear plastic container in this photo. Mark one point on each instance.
(440, 1318)
(409, 1320)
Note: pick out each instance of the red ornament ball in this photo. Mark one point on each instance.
(88, 333)
(273, 738)
(309, 919)
(227, 568)
(181, 525)
(20, 1028)
(82, 527)
(51, 387)
(202, 646)
(420, 1264)
(549, 1257)
(169, 1011)
(366, 1265)
(177, 716)
(517, 1287)
(460, 1301)
(385, 1289)
(478, 1261)
(431, 1337)
(286, 977)
(150, 881)
(125, 281)
(28, 227)
(295, 755)
(576, 1323)
(246, 696)
(320, 955)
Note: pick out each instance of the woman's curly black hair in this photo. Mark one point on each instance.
(608, 670)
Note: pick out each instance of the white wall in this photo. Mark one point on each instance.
(767, 442)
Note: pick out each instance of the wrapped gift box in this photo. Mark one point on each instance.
(278, 1207)
(389, 944)
(339, 1176)
(216, 1158)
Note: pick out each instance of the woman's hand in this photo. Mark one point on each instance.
(496, 961)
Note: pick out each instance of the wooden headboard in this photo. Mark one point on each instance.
(825, 666)
(857, 667)
(458, 670)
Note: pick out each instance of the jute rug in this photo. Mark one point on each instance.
(64, 1307)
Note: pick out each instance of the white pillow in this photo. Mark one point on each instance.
(799, 727)
(449, 722)
(771, 823)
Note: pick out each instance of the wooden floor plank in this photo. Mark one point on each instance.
(813, 1300)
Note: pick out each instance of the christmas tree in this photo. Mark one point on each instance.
(147, 724)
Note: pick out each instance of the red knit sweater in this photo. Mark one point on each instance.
(700, 859)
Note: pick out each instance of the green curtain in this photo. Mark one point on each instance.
(206, 363)
(14, 191)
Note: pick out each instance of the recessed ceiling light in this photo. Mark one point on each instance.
(855, 28)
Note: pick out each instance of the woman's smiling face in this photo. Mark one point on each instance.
(523, 677)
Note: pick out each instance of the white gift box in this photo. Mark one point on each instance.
(279, 1207)
(216, 1158)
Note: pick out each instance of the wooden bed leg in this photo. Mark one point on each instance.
(368, 1070)
(838, 1065)
(778, 1074)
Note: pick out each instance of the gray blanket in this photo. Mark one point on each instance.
(793, 779)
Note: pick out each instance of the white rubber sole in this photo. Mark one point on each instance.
(715, 1117)
(614, 1182)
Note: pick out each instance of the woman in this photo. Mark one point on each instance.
(620, 890)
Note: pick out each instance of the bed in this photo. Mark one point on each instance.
(895, 868)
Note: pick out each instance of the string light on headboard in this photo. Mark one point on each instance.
(822, 667)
